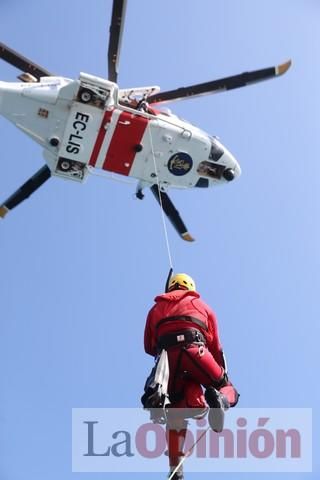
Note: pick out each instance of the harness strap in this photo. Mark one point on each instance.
(181, 338)
(185, 318)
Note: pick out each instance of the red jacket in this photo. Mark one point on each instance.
(181, 302)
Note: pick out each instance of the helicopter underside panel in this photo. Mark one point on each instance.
(117, 141)
(148, 148)
(171, 153)
(125, 143)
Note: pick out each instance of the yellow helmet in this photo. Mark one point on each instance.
(183, 281)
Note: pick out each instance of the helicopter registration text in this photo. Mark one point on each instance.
(79, 125)
(81, 132)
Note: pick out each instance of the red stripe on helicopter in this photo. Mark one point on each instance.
(100, 137)
(122, 149)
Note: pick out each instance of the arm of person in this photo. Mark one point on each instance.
(150, 346)
(214, 344)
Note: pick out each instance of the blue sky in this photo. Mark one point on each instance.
(81, 264)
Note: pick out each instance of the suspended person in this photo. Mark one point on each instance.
(186, 328)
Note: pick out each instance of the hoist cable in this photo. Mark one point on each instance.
(187, 454)
(160, 199)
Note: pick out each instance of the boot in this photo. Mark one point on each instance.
(218, 404)
(177, 476)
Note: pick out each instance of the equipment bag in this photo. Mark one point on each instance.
(155, 397)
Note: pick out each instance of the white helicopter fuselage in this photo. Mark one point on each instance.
(89, 123)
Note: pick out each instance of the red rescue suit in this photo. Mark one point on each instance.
(190, 365)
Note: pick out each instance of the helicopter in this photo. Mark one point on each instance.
(90, 123)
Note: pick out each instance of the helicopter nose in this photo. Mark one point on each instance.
(232, 170)
(219, 153)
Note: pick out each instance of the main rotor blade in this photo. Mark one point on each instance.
(26, 190)
(220, 85)
(172, 213)
(23, 63)
(116, 29)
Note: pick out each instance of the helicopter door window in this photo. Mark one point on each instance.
(211, 170)
(216, 151)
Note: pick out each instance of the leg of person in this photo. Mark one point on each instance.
(184, 392)
(201, 365)
(203, 369)
(176, 430)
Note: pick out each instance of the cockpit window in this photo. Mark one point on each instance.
(211, 170)
(216, 151)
